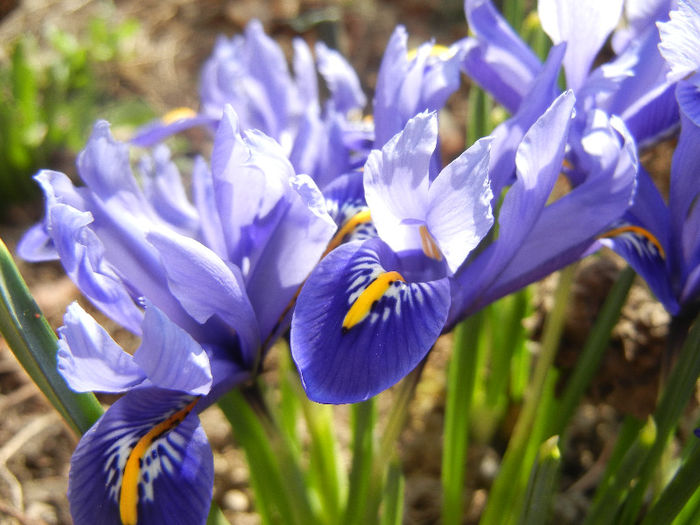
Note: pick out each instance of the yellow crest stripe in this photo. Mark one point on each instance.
(347, 228)
(129, 493)
(363, 304)
(643, 232)
(178, 114)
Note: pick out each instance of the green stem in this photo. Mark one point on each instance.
(679, 389)
(677, 493)
(460, 392)
(593, 350)
(507, 490)
(363, 421)
(34, 344)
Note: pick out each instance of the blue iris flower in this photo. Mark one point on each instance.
(216, 275)
(666, 251)
(373, 307)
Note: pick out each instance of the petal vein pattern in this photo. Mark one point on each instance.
(358, 327)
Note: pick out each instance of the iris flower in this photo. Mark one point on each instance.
(216, 274)
(632, 85)
(665, 250)
(373, 308)
(148, 449)
(250, 73)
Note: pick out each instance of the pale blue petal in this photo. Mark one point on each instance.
(89, 359)
(460, 204)
(396, 182)
(680, 40)
(169, 356)
(584, 26)
(205, 286)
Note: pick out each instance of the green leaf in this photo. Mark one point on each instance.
(31, 339)
(542, 484)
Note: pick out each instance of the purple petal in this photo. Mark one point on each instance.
(392, 71)
(539, 162)
(341, 79)
(680, 39)
(497, 59)
(205, 201)
(89, 359)
(36, 245)
(396, 182)
(341, 364)
(460, 204)
(175, 480)
(170, 357)
(305, 74)
(581, 215)
(162, 185)
(82, 255)
(158, 131)
(509, 134)
(584, 26)
(289, 253)
(206, 286)
(104, 165)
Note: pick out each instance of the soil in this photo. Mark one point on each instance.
(174, 38)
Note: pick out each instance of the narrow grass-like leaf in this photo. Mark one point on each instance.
(31, 339)
(542, 484)
(508, 489)
(592, 352)
(279, 488)
(364, 417)
(216, 516)
(679, 388)
(677, 493)
(605, 509)
(460, 391)
(392, 502)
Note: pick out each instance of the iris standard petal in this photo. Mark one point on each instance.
(539, 161)
(341, 79)
(159, 130)
(206, 286)
(358, 327)
(82, 256)
(680, 37)
(498, 59)
(170, 357)
(392, 70)
(579, 216)
(584, 26)
(104, 165)
(290, 252)
(146, 459)
(460, 204)
(509, 134)
(162, 186)
(396, 180)
(89, 359)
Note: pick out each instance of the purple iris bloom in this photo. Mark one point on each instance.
(372, 309)
(410, 82)
(661, 241)
(217, 275)
(250, 73)
(632, 85)
(148, 448)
